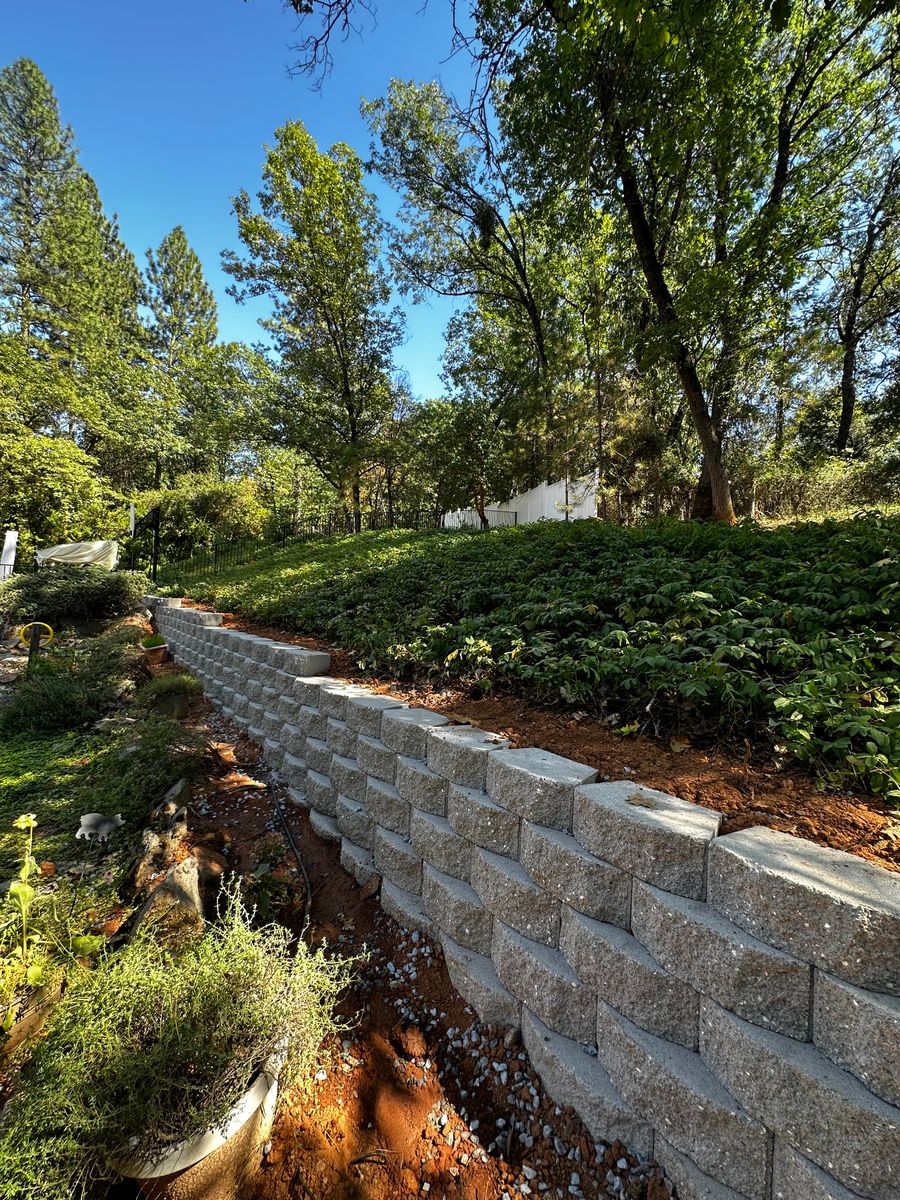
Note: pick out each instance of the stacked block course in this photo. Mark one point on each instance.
(730, 1004)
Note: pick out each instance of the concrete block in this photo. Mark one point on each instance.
(796, 1178)
(434, 838)
(317, 755)
(859, 1031)
(807, 1100)
(475, 816)
(417, 783)
(287, 707)
(299, 661)
(386, 806)
(672, 1089)
(266, 675)
(397, 861)
(256, 735)
(656, 837)
(832, 909)
(455, 909)
(326, 827)
(253, 690)
(348, 777)
(615, 966)
(334, 695)
(404, 729)
(572, 1076)
(537, 785)
(461, 753)
(320, 794)
(293, 771)
(405, 907)
(542, 979)
(292, 739)
(376, 759)
(364, 712)
(311, 722)
(273, 753)
(271, 722)
(700, 947)
(575, 876)
(358, 862)
(340, 738)
(475, 979)
(691, 1183)
(354, 822)
(307, 689)
(508, 892)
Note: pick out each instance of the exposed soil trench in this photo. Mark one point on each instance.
(750, 788)
(416, 1098)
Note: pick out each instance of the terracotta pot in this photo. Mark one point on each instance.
(218, 1163)
(156, 654)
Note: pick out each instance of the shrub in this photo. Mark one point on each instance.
(151, 1048)
(58, 594)
(153, 641)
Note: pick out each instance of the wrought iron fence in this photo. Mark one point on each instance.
(219, 555)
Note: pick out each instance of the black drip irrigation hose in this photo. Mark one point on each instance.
(300, 863)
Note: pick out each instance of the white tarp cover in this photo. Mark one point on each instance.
(100, 554)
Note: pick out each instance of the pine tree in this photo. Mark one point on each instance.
(181, 302)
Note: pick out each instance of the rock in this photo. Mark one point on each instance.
(175, 907)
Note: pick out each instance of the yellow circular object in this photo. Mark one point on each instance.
(44, 639)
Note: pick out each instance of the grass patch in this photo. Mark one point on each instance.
(785, 634)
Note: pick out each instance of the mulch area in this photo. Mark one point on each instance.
(746, 784)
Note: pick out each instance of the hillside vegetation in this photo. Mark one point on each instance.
(786, 634)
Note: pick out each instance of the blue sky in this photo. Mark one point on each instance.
(172, 102)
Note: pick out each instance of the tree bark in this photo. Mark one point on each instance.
(848, 394)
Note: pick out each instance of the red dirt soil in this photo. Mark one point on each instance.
(403, 1104)
(750, 789)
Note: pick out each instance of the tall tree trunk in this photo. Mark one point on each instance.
(357, 505)
(848, 394)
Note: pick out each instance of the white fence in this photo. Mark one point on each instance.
(547, 502)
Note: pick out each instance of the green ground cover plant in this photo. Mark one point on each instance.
(785, 634)
(67, 594)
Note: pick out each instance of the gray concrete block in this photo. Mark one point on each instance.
(298, 661)
(434, 838)
(700, 947)
(340, 738)
(455, 909)
(575, 876)
(572, 1076)
(405, 907)
(537, 785)
(386, 806)
(358, 862)
(286, 707)
(475, 979)
(348, 777)
(475, 816)
(508, 892)
(334, 696)
(672, 1089)
(308, 689)
(832, 909)
(417, 783)
(273, 753)
(796, 1178)
(541, 978)
(804, 1098)
(691, 1183)
(397, 860)
(656, 837)
(364, 712)
(317, 755)
(271, 722)
(376, 759)
(354, 822)
(311, 722)
(461, 753)
(320, 794)
(615, 966)
(253, 690)
(326, 827)
(293, 771)
(404, 729)
(859, 1031)
(293, 740)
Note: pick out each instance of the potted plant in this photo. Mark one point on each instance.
(155, 647)
(164, 1066)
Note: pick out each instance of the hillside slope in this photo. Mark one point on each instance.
(789, 634)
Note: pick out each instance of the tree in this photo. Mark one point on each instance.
(313, 248)
(182, 305)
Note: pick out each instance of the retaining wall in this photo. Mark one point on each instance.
(729, 1003)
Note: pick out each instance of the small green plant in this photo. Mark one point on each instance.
(154, 640)
(173, 683)
(154, 1047)
(59, 594)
